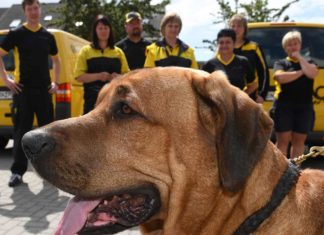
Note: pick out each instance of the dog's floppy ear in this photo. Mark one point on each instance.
(240, 126)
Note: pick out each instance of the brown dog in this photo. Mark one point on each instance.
(178, 151)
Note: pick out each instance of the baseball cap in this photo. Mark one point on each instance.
(133, 15)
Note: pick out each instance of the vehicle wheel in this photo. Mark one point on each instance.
(3, 142)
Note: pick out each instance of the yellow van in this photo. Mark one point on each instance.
(68, 101)
(269, 36)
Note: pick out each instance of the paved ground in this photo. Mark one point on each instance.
(32, 208)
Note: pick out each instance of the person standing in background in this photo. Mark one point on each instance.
(293, 106)
(237, 68)
(252, 51)
(32, 86)
(170, 50)
(98, 63)
(134, 45)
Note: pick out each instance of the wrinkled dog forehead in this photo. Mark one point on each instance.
(154, 88)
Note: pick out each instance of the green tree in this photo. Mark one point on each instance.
(77, 16)
(256, 11)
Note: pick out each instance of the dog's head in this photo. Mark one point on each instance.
(155, 135)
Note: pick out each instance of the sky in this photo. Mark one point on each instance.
(198, 16)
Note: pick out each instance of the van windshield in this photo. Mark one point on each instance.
(269, 40)
(8, 59)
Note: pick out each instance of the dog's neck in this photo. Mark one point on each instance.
(222, 202)
(287, 181)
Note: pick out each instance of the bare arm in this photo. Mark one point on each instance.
(283, 77)
(310, 70)
(56, 68)
(56, 74)
(91, 77)
(250, 88)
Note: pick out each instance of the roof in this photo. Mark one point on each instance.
(14, 16)
(3, 10)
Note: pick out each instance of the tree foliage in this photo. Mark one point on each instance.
(77, 16)
(255, 11)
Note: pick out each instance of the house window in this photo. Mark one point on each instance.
(15, 23)
(78, 23)
(48, 18)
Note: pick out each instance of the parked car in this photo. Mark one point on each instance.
(68, 101)
(269, 37)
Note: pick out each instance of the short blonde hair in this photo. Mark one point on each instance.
(241, 19)
(170, 17)
(291, 35)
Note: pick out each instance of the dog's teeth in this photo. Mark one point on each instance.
(126, 196)
(91, 218)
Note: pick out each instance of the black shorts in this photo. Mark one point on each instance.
(293, 117)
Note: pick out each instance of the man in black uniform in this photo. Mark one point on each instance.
(32, 86)
(134, 44)
(237, 68)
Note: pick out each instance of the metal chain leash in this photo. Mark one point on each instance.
(314, 151)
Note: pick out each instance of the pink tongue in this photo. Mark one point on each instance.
(75, 216)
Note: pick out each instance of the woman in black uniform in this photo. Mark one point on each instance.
(252, 51)
(294, 79)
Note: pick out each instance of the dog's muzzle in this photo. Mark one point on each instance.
(37, 144)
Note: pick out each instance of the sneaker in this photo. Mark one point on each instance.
(15, 180)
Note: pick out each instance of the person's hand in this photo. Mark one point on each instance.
(53, 89)
(104, 76)
(259, 99)
(296, 54)
(113, 75)
(13, 86)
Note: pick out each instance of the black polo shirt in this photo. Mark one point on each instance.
(32, 49)
(134, 52)
(238, 70)
(298, 91)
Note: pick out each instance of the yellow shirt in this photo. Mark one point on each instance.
(161, 54)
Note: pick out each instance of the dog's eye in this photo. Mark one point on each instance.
(126, 109)
(123, 110)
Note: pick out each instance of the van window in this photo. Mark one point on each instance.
(8, 59)
(269, 40)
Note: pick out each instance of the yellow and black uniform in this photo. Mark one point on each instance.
(32, 49)
(161, 54)
(254, 54)
(293, 106)
(238, 70)
(299, 91)
(92, 60)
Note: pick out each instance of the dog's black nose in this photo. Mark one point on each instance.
(36, 144)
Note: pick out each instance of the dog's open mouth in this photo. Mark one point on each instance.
(109, 215)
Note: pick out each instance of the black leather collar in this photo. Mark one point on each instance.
(285, 183)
